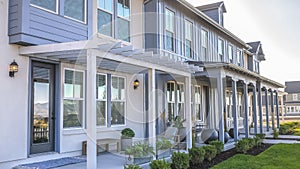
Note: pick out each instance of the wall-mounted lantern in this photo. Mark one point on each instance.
(136, 84)
(13, 68)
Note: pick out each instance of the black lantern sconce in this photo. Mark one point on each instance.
(13, 68)
(136, 84)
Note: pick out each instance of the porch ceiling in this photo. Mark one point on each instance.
(110, 55)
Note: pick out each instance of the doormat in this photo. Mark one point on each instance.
(52, 163)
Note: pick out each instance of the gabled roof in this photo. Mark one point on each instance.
(212, 6)
(292, 87)
(257, 50)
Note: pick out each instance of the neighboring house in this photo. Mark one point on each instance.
(78, 61)
(292, 99)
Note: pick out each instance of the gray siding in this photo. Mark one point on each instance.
(33, 26)
(213, 14)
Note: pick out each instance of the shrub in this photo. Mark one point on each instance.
(275, 133)
(163, 144)
(180, 160)
(196, 155)
(261, 136)
(210, 152)
(127, 133)
(218, 144)
(140, 150)
(160, 164)
(257, 141)
(242, 146)
(132, 166)
(251, 142)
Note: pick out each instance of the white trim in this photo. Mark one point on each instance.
(120, 101)
(105, 100)
(39, 7)
(84, 14)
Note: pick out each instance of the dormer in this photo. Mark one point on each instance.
(256, 56)
(215, 11)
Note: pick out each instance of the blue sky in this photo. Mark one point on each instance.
(276, 23)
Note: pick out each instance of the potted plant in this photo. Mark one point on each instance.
(178, 123)
(141, 152)
(126, 138)
(163, 148)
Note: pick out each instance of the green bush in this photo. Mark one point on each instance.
(196, 155)
(132, 166)
(140, 150)
(275, 133)
(210, 152)
(160, 164)
(242, 146)
(163, 144)
(257, 141)
(127, 133)
(218, 144)
(251, 142)
(180, 160)
(261, 136)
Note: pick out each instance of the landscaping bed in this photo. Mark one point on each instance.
(230, 153)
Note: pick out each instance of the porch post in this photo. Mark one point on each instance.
(272, 108)
(152, 105)
(267, 108)
(188, 112)
(220, 105)
(234, 110)
(91, 111)
(254, 108)
(246, 109)
(277, 109)
(260, 109)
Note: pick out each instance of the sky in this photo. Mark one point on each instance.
(276, 23)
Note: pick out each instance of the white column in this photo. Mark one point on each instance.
(267, 108)
(272, 108)
(254, 108)
(152, 105)
(234, 110)
(246, 109)
(260, 108)
(91, 111)
(277, 109)
(188, 112)
(220, 106)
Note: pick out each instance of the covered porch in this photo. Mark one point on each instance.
(100, 59)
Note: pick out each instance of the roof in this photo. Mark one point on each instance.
(292, 87)
(257, 50)
(212, 22)
(212, 6)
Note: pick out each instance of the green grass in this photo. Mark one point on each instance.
(276, 157)
(290, 128)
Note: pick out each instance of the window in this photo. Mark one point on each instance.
(221, 50)
(295, 97)
(188, 38)
(170, 30)
(204, 44)
(123, 23)
(199, 114)
(50, 5)
(256, 66)
(230, 53)
(117, 100)
(73, 99)
(75, 9)
(180, 100)
(101, 99)
(171, 100)
(239, 57)
(105, 15)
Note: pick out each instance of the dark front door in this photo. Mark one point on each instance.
(42, 108)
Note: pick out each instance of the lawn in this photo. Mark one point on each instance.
(276, 157)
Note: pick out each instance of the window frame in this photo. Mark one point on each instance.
(200, 103)
(190, 24)
(239, 57)
(84, 13)
(125, 101)
(83, 99)
(170, 31)
(180, 100)
(42, 8)
(231, 60)
(127, 19)
(223, 49)
(112, 13)
(205, 58)
(105, 100)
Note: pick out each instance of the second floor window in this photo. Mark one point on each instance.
(188, 38)
(239, 57)
(204, 44)
(75, 9)
(105, 16)
(220, 50)
(123, 23)
(50, 5)
(230, 53)
(170, 30)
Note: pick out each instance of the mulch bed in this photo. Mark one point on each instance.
(227, 154)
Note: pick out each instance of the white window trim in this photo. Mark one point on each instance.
(192, 35)
(39, 7)
(125, 102)
(171, 31)
(83, 99)
(206, 57)
(182, 98)
(122, 17)
(105, 125)
(232, 53)
(223, 55)
(201, 105)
